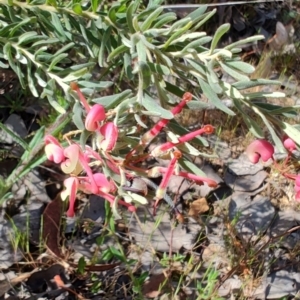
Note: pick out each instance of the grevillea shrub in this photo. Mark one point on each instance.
(57, 48)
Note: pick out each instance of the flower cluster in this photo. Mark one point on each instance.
(264, 150)
(76, 160)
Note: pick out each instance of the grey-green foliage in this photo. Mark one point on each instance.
(49, 44)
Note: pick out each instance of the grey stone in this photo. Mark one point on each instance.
(253, 217)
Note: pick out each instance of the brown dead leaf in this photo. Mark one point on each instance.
(51, 226)
(198, 207)
(152, 287)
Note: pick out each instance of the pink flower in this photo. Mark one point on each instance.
(101, 182)
(72, 163)
(71, 185)
(260, 149)
(54, 151)
(107, 136)
(94, 116)
(289, 144)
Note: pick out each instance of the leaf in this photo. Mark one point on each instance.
(104, 43)
(52, 217)
(95, 4)
(191, 167)
(77, 116)
(15, 137)
(56, 60)
(198, 13)
(195, 44)
(27, 37)
(245, 41)
(119, 50)
(241, 66)
(188, 36)
(212, 78)
(111, 101)
(219, 33)
(159, 69)
(151, 105)
(178, 33)
(85, 134)
(58, 26)
(233, 73)
(163, 20)
(129, 16)
(241, 85)
(31, 83)
(145, 74)
(138, 198)
(95, 85)
(213, 98)
(151, 18)
(250, 96)
(77, 8)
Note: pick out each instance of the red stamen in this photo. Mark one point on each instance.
(166, 178)
(152, 133)
(158, 151)
(74, 86)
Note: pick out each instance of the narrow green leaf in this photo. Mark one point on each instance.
(219, 33)
(75, 75)
(56, 60)
(151, 105)
(23, 38)
(178, 33)
(204, 18)
(195, 44)
(233, 73)
(145, 74)
(129, 16)
(119, 50)
(95, 85)
(241, 85)
(77, 116)
(15, 137)
(212, 78)
(20, 24)
(188, 36)
(141, 51)
(96, 4)
(241, 66)
(245, 41)
(257, 95)
(31, 83)
(113, 100)
(151, 18)
(191, 167)
(105, 43)
(213, 98)
(58, 26)
(64, 48)
(196, 14)
(159, 69)
(164, 19)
